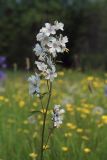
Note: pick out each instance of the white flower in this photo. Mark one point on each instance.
(35, 79)
(48, 29)
(45, 41)
(59, 25)
(63, 40)
(38, 50)
(40, 36)
(34, 83)
(50, 73)
(41, 66)
(57, 116)
(54, 46)
(98, 110)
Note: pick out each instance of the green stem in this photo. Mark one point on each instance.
(41, 104)
(44, 121)
(51, 131)
(48, 85)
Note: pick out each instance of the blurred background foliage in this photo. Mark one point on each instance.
(85, 25)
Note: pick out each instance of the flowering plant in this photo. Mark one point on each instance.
(46, 50)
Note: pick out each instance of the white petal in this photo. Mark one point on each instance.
(59, 25)
(48, 25)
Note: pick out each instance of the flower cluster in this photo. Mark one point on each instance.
(49, 44)
(57, 116)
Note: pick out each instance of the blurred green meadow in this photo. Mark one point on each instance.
(83, 134)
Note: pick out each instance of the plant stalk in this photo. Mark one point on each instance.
(44, 121)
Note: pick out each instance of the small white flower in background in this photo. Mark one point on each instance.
(32, 119)
(57, 116)
(34, 83)
(98, 110)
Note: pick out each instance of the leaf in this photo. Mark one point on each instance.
(43, 94)
(35, 112)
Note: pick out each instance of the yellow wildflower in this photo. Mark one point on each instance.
(33, 155)
(69, 107)
(85, 110)
(34, 104)
(90, 78)
(104, 119)
(68, 134)
(79, 130)
(65, 149)
(71, 125)
(85, 138)
(2, 98)
(87, 150)
(21, 104)
(83, 116)
(46, 147)
(44, 111)
(6, 100)
(25, 122)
